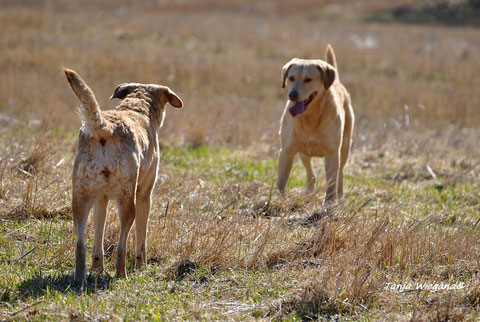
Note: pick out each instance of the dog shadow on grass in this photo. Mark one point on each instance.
(40, 284)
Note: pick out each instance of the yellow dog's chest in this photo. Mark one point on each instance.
(314, 147)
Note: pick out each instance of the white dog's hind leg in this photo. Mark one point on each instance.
(99, 216)
(126, 212)
(80, 208)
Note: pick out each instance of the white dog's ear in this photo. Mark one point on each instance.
(164, 95)
(123, 90)
(173, 99)
(328, 74)
(285, 70)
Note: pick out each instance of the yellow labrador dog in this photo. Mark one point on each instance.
(317, 122)
(117, 159)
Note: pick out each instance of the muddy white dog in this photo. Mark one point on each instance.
(117, 159)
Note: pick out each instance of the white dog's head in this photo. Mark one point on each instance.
(159, 95)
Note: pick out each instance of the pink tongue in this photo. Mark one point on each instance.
(297, 108)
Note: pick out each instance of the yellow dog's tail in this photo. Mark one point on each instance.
(330, 58)
(90, 112)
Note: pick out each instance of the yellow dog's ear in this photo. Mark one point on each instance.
(285, 70)
(328, 73)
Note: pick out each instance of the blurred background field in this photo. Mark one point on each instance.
(224, 58)
(412, 207)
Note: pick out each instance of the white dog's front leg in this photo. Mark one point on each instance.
(141, 223)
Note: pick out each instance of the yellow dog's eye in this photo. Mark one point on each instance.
(291, 78)
(308, 80)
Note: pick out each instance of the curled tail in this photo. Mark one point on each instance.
(90, 113)
(331, 59)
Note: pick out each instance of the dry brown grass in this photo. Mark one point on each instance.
(243, 250)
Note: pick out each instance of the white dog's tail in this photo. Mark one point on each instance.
(330, 58)
(90, 112)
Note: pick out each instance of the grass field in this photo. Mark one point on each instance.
(222, 243)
